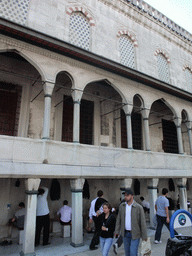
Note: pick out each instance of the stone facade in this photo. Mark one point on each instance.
(114, 111)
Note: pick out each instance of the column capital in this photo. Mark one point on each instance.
(77, 185)
(145, 113)
(152, 183)
(126, 183)
(181, 183)
(48, 88)
(128, 108)
(177, 121)
(32, 185)
(76, 95)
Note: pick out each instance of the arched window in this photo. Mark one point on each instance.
(163, 69)
(79, 30)
(188, 75)
(127, 51)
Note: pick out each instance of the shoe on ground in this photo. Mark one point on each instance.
(46, 244)
(93, 248)
(157, 242)
(115, 248)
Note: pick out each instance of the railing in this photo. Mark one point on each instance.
(148, 9)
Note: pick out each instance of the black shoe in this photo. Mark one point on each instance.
(115, 248)
(93, 248)
(46, 244)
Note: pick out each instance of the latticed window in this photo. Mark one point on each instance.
(127, 51)
(79, 30)
(188, 75)
(163, 68)
(14, 10)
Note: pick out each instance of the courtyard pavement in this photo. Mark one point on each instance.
(61, 246)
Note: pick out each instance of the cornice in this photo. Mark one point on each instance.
(19, 45)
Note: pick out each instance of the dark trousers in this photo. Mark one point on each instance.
(160, 222)
(42, 222)
(95, 239)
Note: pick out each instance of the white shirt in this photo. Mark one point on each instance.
(42, 205)
(66, 213)
(92, 209)
(128, 217)
(146, 204)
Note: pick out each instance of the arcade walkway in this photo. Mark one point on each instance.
(60, 247)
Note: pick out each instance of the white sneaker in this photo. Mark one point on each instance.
(157, 242)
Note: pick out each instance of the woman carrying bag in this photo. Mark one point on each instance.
(107, 223)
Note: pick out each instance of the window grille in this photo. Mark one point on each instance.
(14, 10)
(127, 52)
(188, 75)
(86, 122)
(169, 143)
(10, 101)
(79, 31)
(163, 68)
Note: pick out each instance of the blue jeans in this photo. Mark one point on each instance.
(160, 222)
(105, 245)
(130, 245)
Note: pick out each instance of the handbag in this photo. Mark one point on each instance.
(146, 247)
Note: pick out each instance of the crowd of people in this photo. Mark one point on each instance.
(128, 224)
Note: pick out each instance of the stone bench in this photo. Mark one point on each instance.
(21, 236)
(66, 230)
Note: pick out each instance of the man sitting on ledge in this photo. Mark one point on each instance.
(65, 214)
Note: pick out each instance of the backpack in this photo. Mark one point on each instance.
(99, 202)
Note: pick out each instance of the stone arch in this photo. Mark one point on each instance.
(108, 101)
(29, 59)
(162, 127)
(124, 99)
(86, 13)
(22, 88)
(159, 51)
(130, 36)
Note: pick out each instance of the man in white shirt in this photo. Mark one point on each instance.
(43, 218)
(65, 213)
(94, 211)
(146, 204)
(131, 224)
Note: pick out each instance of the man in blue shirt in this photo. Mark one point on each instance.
(162, 212)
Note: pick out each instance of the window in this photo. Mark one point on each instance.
(163, 68)
(15, 10)
(79, 30)
(188, 75)
(127, 51)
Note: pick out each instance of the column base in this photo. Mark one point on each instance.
(27, 254)
(77, 245)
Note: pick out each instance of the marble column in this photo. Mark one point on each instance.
(48, 90)
(152, 190)
(126, 183)
(127, 109)
(179, 135)
(77, 212)
(32, 186)
(145, 115)
(76, 95)
(188, 124)
(181, 184)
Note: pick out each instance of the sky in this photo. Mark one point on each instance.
(179, 11)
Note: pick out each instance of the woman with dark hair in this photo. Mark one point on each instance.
(107, 224)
